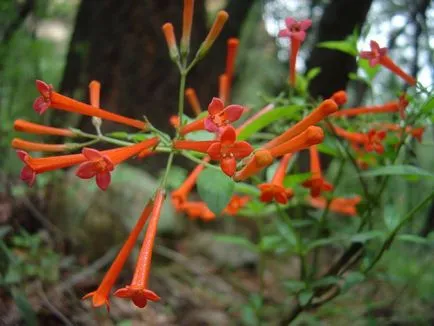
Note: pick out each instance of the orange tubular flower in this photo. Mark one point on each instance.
(25, 145)
(100, 164)
(223, 88)
(192, 145)
(228, 150)
(313, 135)
(101, 295)
(193, 101)
(186, 26)
(326, 108)
(275, 190)
(379, 55)
(34, 128)
(316, 183)
(344, 206)
(236, 203)
(174, 121)
(232, 46)
(389, 107)
(371, 141)
(214, 32)
(169, 35)
(179, 196)
(34, 166)
(137, 291)
(261, 158)
(340, 97)
(296, 32)
(198, 209)
(196, 125)
(50, 98)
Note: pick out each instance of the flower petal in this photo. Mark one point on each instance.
(40, 105)
(103, 180)
(91, 154)
(22, 155)
(214, 151)
(28, 175)
(228, 136)
(284, 33)
(216, 106)
(86, 170)
(233, 112)
(289, 22)
(280, 197)
(228, 165)
(374, 46)
(43, 88)
(210, 125)
(241, 149)
(305, 24)
(109, 164)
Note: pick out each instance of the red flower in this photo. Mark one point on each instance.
(374, 139)
(237, 202)
(316, 183)
(296, 31)
(50, 98)
(274, 190)
(197, 209)
(34, 128)
(228, 150)
(220, 116)
(101, 294)
(379, 55)
(100, 164)
(34, 166)
(341, 205)
(137, 291)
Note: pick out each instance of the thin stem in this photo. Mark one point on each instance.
(181, 99)
(392, 235)
(166, 172)
(103, 138)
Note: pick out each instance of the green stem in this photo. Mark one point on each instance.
(102, 138)
(392, 235)
(182, 82)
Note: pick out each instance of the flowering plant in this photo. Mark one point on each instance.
(241, 171)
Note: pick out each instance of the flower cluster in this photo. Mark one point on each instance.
(237, 158)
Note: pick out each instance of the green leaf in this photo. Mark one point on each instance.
(294, 286)
(237, 240)
(391, 217)
(305, 296)
(312, 73)
(365, 236)
(413, 238)
(286, 112)
(286, 232)
(347, 46)
(370, 72)
(25, 308)
(428, 106)
(403, 170)
(270, 242)
(295, 179)
(215, 188)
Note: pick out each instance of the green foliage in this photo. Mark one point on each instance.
(215, 188)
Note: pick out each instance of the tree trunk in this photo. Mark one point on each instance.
(339, 20)
(121, 45)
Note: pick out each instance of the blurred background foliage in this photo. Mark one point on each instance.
(54, 237)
